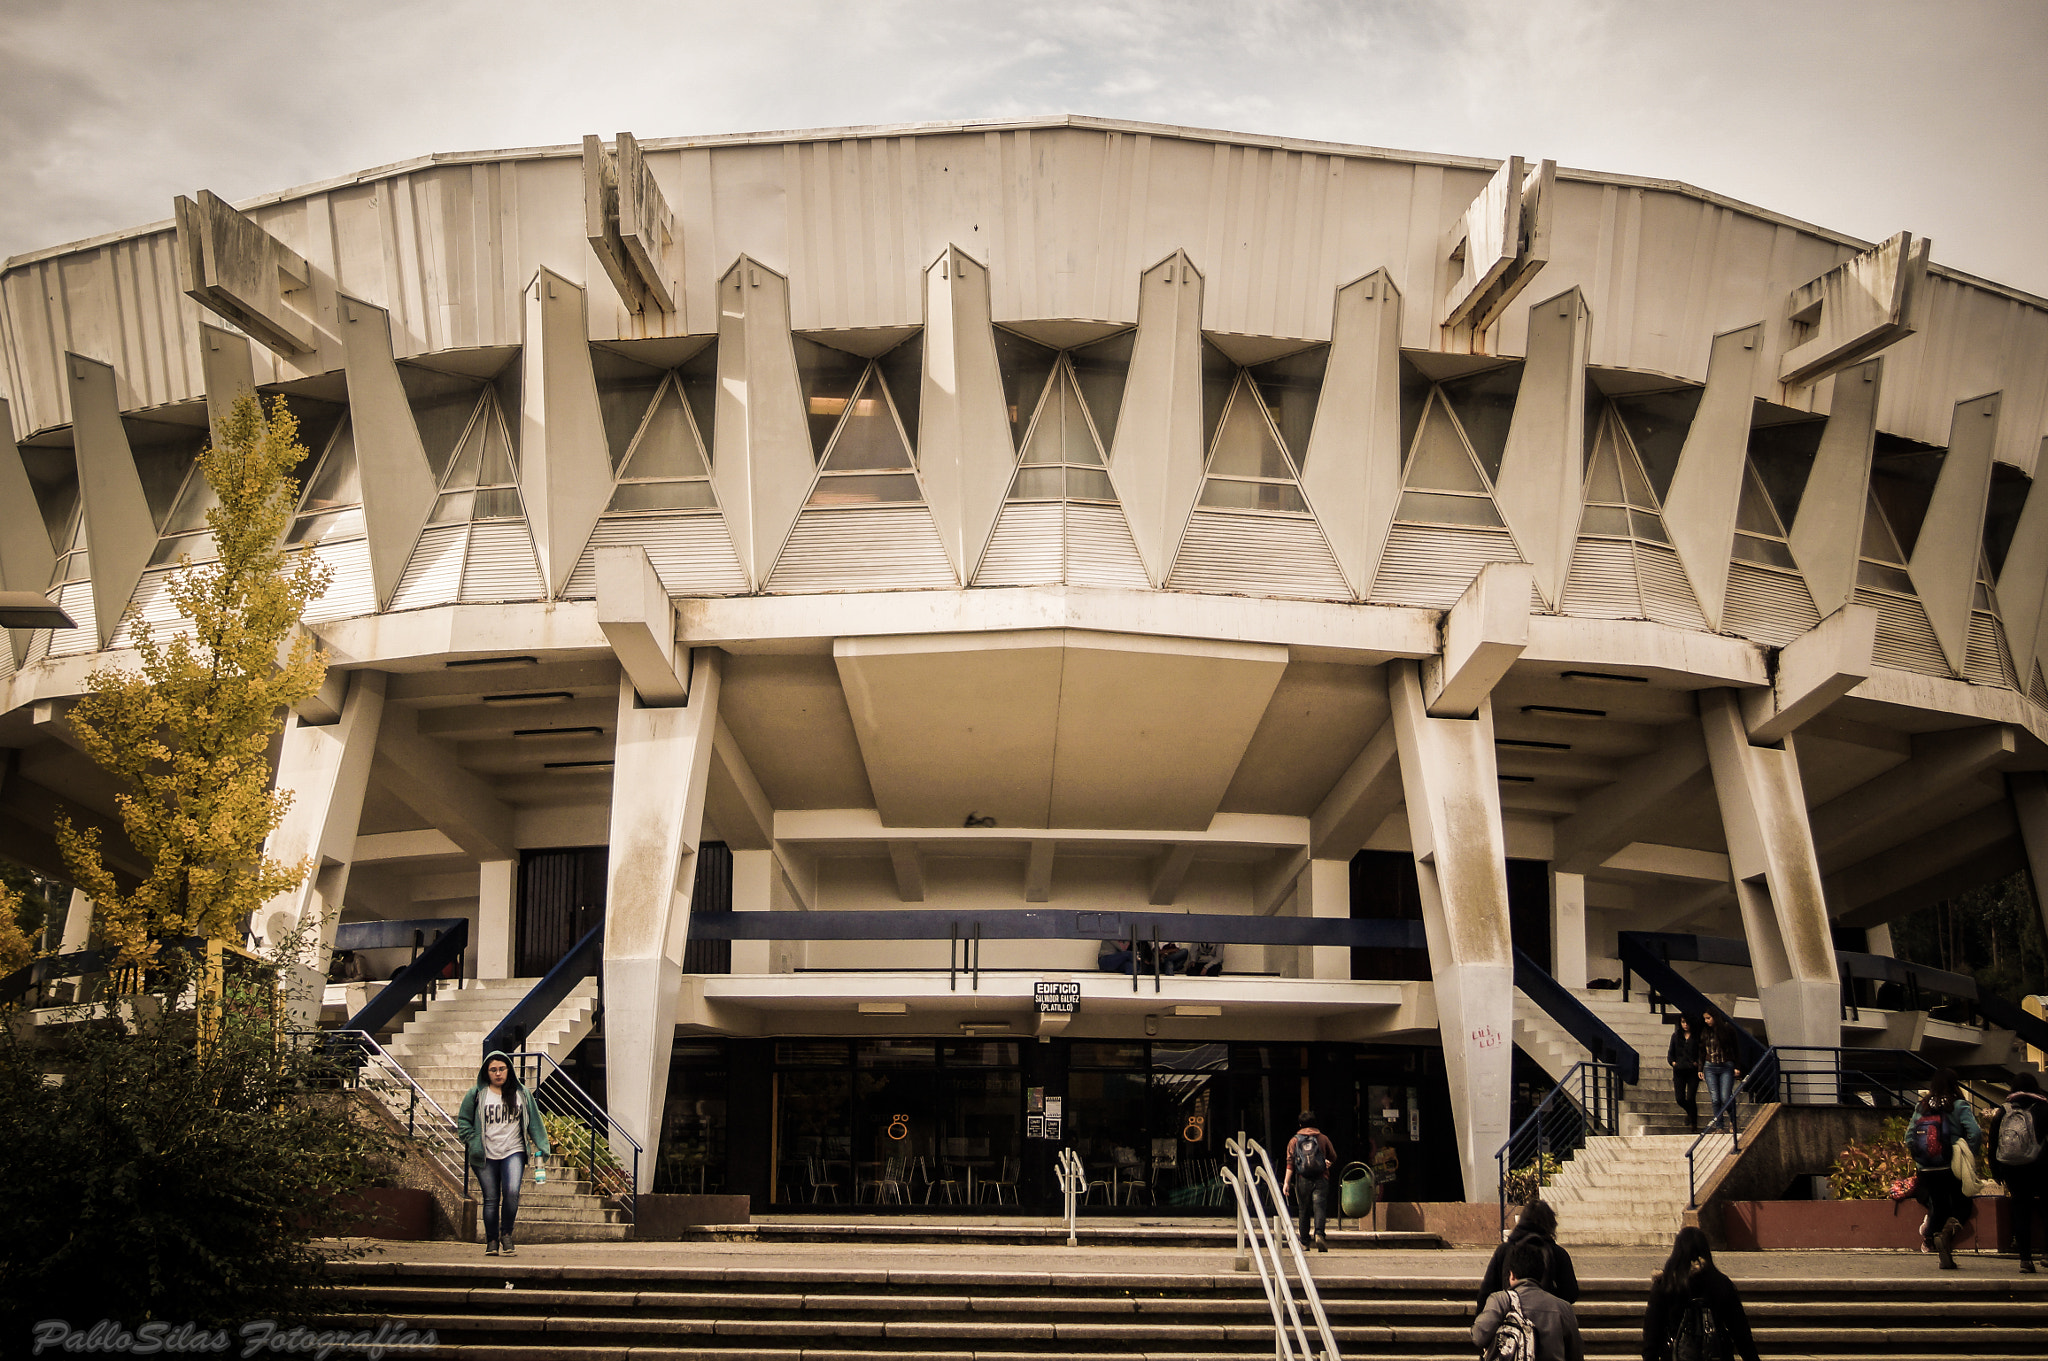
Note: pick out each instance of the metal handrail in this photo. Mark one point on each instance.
(1256, 1237)
(1580, 1021)
(557, 1094)
(1673, 986)
(1073, 1180)
(415, 978)
(1586, 1099)
(361, 1064)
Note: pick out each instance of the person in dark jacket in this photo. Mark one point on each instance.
(1537, 1225)
(1688, 1275)
(2026, 1183)
(1720, 1056)
(1557, 1327)
(500, 1126)
(1934, 1183)
(1313, 1199)
(1684, 1057)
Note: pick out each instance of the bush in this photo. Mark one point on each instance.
(153, 1177)
(572, 1140)
(1525, 1182)
(1867, 1170)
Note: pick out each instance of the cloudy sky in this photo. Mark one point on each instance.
(1868, 117)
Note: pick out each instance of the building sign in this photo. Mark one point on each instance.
(1058, 999)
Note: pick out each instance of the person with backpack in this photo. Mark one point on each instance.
(1525, 1322)
(2017, 1134)
(1695, 1312)
(1310, 1156)
(500, 1125)
(1941, 1119)
(1537, 1225)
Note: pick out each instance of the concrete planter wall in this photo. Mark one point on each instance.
(400, 1212)
(1753, 1225)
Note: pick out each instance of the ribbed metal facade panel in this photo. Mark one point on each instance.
(886, 548)
(351, 592)
(1100, 550)
(1767, 606)
(1432, 565)
(1027, 548)
(691, 551)
(1905, 640)
(2038, 691)
(1989, 661)
(433, 576)
(1602, 581)
(152, 603)
(1246, 554)
(500, 564)
(76, 600)
(1667, 591)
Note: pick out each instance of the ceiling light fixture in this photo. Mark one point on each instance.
(984, 1027)
(533, 697)
(557, 732)
(466, 663)
(884, 1008)
(1516, 779)
(576, 767)
(1605, 676)
(1197, 1009)
(1560, 711)
(1530, 744)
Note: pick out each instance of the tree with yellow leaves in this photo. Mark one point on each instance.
(188, 733)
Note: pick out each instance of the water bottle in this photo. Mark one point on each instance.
(540, 1175)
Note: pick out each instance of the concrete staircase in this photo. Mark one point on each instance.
(442, 1047)
(1648, 1107)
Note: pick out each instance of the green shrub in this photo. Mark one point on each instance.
(1524, 1182)
(573, 1141)
(1867, 1170)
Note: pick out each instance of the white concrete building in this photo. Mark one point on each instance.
(1090, 520)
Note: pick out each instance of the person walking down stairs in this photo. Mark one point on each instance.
(1695, 1312)
(500, 1126)
(2018, 1139)
(1941, 1120)
(1537, 1225)
(1683, 1055)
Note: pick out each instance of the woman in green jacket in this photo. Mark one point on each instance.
(500, 1125)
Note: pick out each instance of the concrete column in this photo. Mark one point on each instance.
(753, 880)
(327, 769)
(1326, 890)
(1776, 877)
(1454, 822)
(1568, 929)
(1878, 941)
(2028, 790)
(77, 923)
(495, 889)
(658, 783)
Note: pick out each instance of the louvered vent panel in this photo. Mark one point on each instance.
(692, 553)
(1433, 564)
(1989, 661)
(351, 592)
(39, 648)
(152, 603)
(888, 548)
(1667, 591)
(1602, 581)
(1100, 550)
(1768, 607)
(2038, 691)
(434, 575)
(1024, 550)
(1257, 555)
(500, 565)
(6, 656)
(1905, 640)
(76, 600)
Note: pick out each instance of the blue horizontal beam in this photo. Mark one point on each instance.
(390, 935)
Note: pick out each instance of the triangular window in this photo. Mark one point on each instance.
(1292, 388)
(1485, 406)
(481, 483)
(1026, 367)
(1883, 566)
(332, 507)
(665, 468)
(1219, 377)
(699, 379)
(1248, 470)
(185, 534)
(1986, 597)
(1618, 500)
(1101, 371)
(1061, 459)
(1443, 484)
(868, 461)
(903, 373)
(443, 408)
(1759, 534)
(74, 563)
(1657, 424)
(828, 378)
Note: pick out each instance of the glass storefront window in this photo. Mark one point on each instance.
(692, 1156)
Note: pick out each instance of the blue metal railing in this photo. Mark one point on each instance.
(1645, 954)
(585, 958)
(1586, 1101)
(396, 934)
(414, 979)
(1576, 1017)
(78, 964)
(608, 1156)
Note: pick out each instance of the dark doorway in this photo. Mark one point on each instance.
(1529, 909)
(1383, 888)
(561, 896)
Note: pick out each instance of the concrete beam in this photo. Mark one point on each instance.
(1169, 872)
(120, 531)
(1860, 822)
(1895, 880)
(1038, 873)
(27, 558)
(734, 799)
(1706, 489)
(1827, 534)
(964, 450)
(426, 843)
(227, 263)
(1352, 475)
(398, 483)
(639, 620)
(1861, 306)
(1160, 442)
(1813, 671)
(1365, 795)
(909, 870)
(630, 227)
(1601, 827)
(1670, 862)
(1951, 543)
(1541, 489)
(450, 798)
(763, 466)
(1485, 633)
(1273, 883)
(228, 368)
(441, 888)
(565, 473)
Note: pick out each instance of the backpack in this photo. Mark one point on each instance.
(2019, 1134)
(1305, 1156)
(1929, 1138)
(1699, 1336)
(1515, 1339)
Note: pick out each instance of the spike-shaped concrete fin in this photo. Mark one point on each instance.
(398, 483)
(565, 475)
(964, 450)
(1353, 473)
(1706, 489)
(1157, 462)
(228, 367)
(1827, 534)
(120, 532)
(1951, 542)
(2023, 581)
(27, 559)
(763, 465)
(1542, 471)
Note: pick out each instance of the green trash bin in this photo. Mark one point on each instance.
(1357, 1190)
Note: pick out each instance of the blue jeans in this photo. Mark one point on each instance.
(1312, 1197)
(1720, 1088)
(500, 1178)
